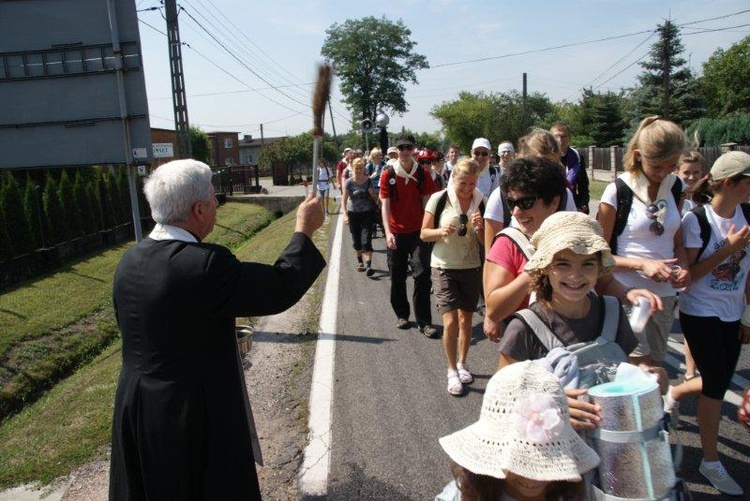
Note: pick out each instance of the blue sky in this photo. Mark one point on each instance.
(280, 41)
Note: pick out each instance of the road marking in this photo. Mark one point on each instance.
(314, 474)
(729, 396)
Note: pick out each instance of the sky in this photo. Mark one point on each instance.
(248, 63)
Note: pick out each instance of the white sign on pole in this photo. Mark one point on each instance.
(163, 150)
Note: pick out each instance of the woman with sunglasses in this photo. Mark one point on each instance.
(649, 252)
(456, 264)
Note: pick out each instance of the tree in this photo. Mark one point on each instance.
(88, 214)
(54, 217)
(15, 219)
(373, 58)
(667, 85)
(601, 119)
(297, 152)
(201, 145)
(734, 128)
(496, 116)
(70, 206)
(31, 210)
(725, 79)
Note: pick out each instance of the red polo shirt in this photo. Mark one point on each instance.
(406, 199)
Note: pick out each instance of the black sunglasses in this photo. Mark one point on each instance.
(656, 227)
(523, 203)
(463, 221)
(405, 147)
(481, 153)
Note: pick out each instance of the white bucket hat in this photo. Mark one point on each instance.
(524, 427)
(574, 231)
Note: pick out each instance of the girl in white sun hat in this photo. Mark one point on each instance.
(522, 447)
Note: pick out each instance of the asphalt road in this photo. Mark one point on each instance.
(390, 403)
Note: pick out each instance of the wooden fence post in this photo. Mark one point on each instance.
(613, 161)
(591, 162)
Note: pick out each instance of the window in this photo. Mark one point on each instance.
(228, 143)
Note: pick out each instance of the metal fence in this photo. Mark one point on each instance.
(610, 159)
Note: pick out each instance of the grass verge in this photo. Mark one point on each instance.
(596, 188)
(70, 424)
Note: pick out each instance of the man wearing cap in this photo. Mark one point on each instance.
(489, 175)
(575, 167)
(507, 153)
(405, 187)
(392, 154)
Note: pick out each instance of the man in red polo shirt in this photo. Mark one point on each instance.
(405, 188)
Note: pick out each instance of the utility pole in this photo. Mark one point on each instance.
(524, 111)
(179, 100)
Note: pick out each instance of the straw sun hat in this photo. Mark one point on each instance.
(524, 428)
(574, 231)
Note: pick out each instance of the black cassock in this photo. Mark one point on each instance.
(182, 426)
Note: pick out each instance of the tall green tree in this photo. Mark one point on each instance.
(201, 145)
(373, 58)
(88, 215)
(15, 219)
(70, 206)
(734, 128)
(54, 217)
(496, 116)
(602, 119)
(31, 211)
(726, 79)
(297, 151)
(667, 85)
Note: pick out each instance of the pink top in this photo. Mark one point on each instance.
(506, 254)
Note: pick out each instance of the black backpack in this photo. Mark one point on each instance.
(700, 214)
(441, 206)
(625, 202)
(393, 192)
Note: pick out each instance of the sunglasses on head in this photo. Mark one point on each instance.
(481, 153)
(463, 221)
(523, 203)
(405, 147)
(656, 227)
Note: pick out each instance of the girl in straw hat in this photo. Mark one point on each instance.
(523, 446)
(570, 259)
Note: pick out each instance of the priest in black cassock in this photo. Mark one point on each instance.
(183, 427)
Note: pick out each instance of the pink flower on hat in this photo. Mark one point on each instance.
(539, 419)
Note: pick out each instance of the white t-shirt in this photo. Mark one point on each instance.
(455, 252)
(494, 209)
(721, 293)
(638, 241)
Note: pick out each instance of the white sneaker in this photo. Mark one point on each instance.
(719, 478)
(672, 407)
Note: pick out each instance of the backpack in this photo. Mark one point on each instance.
(392, 180)
(506, 209)
(700, 215)
(625, 202)
(441, 206)
(518, 238)
(592, 356)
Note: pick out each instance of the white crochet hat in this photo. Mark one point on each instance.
(524, 428)
(574, 231)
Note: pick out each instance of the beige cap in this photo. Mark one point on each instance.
(730, 164)
(574, 231)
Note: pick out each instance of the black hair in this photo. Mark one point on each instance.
(535, 176)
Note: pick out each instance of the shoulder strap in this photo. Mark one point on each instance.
(392, 192)
(624, 202)
(481, 208)
(611, 318)
(677, 191)
(517, 237)
(563, 201)
(705, 227)
(439, 208)
(506, 209)
(538, 328)
(420, 176)
(746, 211)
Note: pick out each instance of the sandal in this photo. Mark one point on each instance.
(455, 387)
(360, 267)
(464, 375)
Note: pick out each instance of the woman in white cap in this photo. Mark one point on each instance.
(571, 258)
(714, 313)
(522, 447)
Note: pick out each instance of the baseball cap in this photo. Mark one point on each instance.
(481, 142)
(405, 141)
(506, 146)
(392, 149)
(730, 164)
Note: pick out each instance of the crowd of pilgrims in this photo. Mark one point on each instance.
(511, 232)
